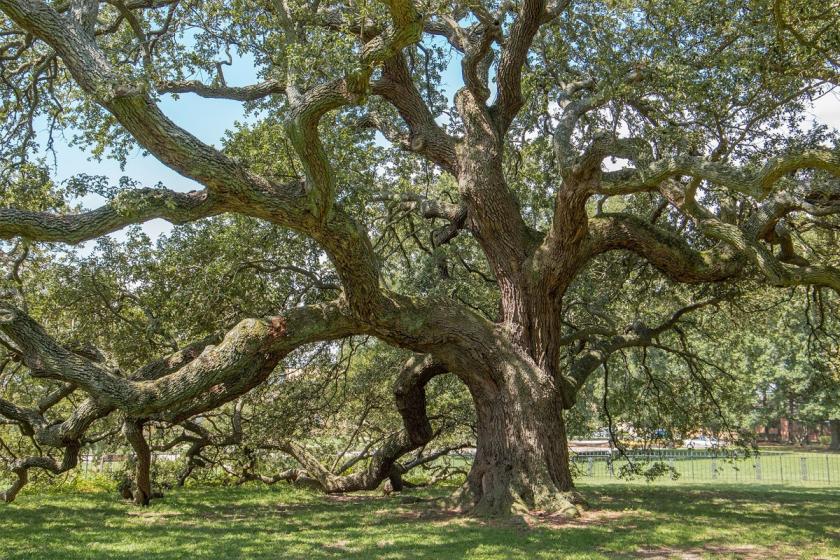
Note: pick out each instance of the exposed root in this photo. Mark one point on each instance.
(505, 502)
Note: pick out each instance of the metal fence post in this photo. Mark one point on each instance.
(589, 465)
(714, 468)
(803, 468)
(758, 468)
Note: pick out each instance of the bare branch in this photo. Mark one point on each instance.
(237, 93)
(635, 335)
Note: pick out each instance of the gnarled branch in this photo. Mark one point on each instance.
(129, 207)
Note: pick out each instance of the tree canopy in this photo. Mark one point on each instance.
(611, 179)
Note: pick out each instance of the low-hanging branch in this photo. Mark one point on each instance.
(638, 334)
(669, 253)
(235, 93)
(250, 348)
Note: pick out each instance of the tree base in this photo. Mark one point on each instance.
(129, 490)
(505, 502)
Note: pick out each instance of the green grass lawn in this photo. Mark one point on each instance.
(626, 521)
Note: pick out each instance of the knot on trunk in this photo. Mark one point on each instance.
(277, 327)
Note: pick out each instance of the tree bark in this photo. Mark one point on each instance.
(522, 458)
(142, 491)
(834, 426)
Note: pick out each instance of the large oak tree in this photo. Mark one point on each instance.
(676, 131)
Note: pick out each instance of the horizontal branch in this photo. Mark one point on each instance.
(236, 93)
(635, 335)
(21, 469)
(668, 253)
(426, 207)
(756, 183)
(251, 349)
(784, 271)
(129, 207)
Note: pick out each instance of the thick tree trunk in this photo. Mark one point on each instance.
(834, 426)
(522, 457)
(142, 491)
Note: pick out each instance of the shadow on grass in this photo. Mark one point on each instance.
(762, 515)
(257, 522)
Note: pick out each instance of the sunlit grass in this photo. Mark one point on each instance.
(626, 521)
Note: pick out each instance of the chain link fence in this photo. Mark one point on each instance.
(716, 465)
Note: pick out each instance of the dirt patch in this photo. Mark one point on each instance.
(741, 552)
(342, 545)
(426, 514)
(148, 516)
(586, 519)
(349, 498)
(443, 516)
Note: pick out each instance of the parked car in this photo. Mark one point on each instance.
(601, 433)
(701, 442)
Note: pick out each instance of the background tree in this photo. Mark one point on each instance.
(795, 375)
